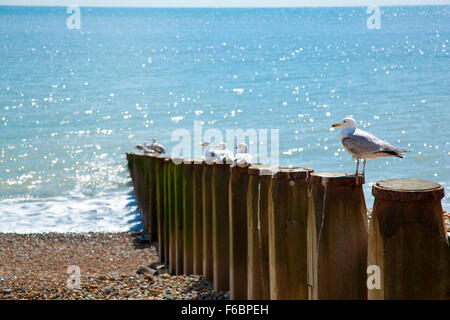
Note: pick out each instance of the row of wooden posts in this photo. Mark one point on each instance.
(291, 233)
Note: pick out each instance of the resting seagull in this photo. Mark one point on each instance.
(210, 154)
(144, 148)
(156, 147)
(243, 157)
(223, 153)
(362, 145)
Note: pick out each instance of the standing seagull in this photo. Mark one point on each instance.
(242, 156)
(156, 147)
(223, 153)
(362, 145)
(210, 154)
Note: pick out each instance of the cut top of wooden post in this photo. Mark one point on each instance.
(291, 173)
(160, 156)
(197, 161)
(408, 190)
(221, 165)
(239, 169)
(327, 178)
(260, 170)
(177, 160)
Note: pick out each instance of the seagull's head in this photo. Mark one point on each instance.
(346, 123)
(242, 148)
(221, 146)
(154, 140)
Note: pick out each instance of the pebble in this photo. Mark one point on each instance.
(37, 265)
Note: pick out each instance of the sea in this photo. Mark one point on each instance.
(80, 87)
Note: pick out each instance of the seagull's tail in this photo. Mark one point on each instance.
(396, 152)
(402, 150)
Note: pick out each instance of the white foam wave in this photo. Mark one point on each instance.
(116, 212)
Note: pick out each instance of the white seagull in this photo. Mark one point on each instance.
(223, 153)
(242, 156)
(144, 148)
(210, 154)
(362, 145)
(156, 147)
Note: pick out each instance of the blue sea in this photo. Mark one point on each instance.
(74, 101)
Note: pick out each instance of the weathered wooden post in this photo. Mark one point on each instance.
(259, 184)
(188, 207)
(151, 202)
(178, 213)
(146, 194)
(197, 218)
(288, 216)
(159, 172)
(238, 187)
(207, 221)
(337, 236)
(408, 241)
(220, 226)
(139, 169)
(171, 215)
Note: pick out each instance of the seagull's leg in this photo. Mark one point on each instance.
(357, 166)
(364, 167)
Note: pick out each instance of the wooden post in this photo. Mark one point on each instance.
(337, 236)
(288, 233)
(178, 213)
(139, 169)
(146, 195)
(188, 207)
(166, 162)
(171, 215)
(220, 226)
(238, 187)
(151, 202)
(159, 173)
(408, 241)
(259, 185)
(197, 217)
(207, 221)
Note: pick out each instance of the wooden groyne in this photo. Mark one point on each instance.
(292, 233)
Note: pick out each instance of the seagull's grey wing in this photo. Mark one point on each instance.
(361, 145)
(158, 148)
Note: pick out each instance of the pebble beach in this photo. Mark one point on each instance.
(113, 266)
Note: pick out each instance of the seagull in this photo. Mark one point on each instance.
(144, 148)
(223, 153)
(210, 154)
(362, 145)
(243, 157)
(156, 147)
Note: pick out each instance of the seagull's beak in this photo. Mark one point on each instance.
(334, 125)
(202, 144)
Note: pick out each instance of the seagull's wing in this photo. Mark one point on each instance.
(363, 143)
(360, 145)
(158, 148)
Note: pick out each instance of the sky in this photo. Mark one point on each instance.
(221, 3)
